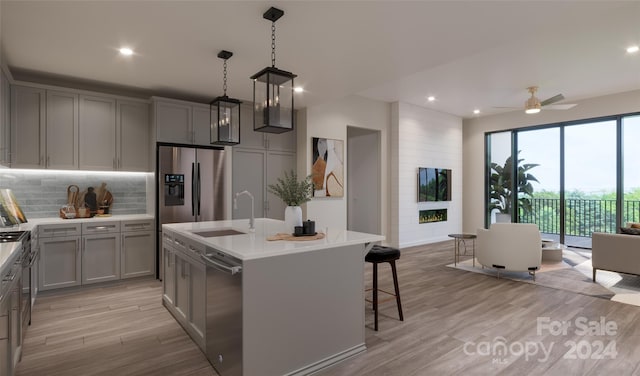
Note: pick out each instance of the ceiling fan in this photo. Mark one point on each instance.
(533, 104)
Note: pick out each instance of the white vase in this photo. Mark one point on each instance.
(292, 218)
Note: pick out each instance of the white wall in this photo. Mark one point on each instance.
(424, 138)
(363, 195)
(330, 120)
(473, 141)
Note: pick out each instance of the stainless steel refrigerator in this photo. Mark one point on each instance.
(191, 187)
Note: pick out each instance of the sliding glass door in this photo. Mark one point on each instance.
(539, 181)
(631, 153)
(590, 181)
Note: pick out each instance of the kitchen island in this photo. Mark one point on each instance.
(280, 308)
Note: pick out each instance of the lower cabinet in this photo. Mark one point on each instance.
(98, 252)
(100, 258)
(137, 254)
(184, 284)
(60, 262)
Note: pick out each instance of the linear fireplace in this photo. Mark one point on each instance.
(432, 215)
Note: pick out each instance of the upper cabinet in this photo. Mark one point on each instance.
(27, 127)
(62, 129)
(180, 122)
(5, 127)
(97, 133)
(132, 136)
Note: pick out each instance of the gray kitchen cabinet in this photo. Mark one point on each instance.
(27, 127)
(169, 280)
(201, 125)
(60, 262)
(137, 249)
(182, 286)
(132, 133)
(173, 122)
(61, 151)
(249, 160)
(97, 142)
(100, 258)
(197, 302)
(248, 137)
(5, 118)
(277, 164)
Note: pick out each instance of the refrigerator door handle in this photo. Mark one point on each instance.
(193, 189)
(199, 189)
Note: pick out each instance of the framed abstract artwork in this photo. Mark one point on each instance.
(327, 167)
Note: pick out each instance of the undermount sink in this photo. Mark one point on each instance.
(218, 232)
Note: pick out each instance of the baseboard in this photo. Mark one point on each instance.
(425, 241)
(329, 361)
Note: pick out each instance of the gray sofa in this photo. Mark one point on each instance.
(616, 253)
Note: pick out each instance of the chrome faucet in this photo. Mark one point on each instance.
(235, 206)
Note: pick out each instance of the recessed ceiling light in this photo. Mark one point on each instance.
(431, 98)
(298, 89)
(126, 51)
(633, 49)
(476, 111)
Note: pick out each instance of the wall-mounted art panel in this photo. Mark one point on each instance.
(327, 167)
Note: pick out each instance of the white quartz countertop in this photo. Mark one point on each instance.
(57, 220)
(254, 245)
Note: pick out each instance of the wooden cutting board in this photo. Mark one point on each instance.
(289, 237)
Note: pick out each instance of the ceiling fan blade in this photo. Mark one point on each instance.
(560, 106)
(551, 100)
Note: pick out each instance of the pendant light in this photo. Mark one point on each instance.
(225, 113)
(273, 90)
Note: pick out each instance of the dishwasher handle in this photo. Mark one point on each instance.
(223, 268)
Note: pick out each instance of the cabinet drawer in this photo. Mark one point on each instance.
(70, 229)
(100, 227)
(136, 225)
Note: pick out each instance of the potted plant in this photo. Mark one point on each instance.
(293, 193)
(501, 185)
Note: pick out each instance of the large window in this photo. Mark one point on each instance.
(571, 179)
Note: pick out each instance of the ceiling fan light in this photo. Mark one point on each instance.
(532, 105)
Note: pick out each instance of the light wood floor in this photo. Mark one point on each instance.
(122, 329)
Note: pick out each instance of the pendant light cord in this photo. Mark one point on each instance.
(273, 44)
(224, 86)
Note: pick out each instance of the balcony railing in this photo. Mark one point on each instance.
(582, 217)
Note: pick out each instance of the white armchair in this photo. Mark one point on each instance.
(510, 246)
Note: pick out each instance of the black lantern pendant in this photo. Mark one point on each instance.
(273, 90)
(225, 113)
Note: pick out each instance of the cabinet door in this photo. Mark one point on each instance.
(5, 126)
(182, 287)
(27, 127)
(173, 122)
(282, 141)
(59, 262)
(136, 258)
(277, 164)
(201, 126)
(97, 133)
(169, 280)
(62, 130)
(248, 137)
(198, 301)
(100, 258)
(133, 136)
(249, 160)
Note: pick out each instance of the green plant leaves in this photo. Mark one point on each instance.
(291, 191)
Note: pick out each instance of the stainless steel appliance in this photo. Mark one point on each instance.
(191, 187)
(224, 312)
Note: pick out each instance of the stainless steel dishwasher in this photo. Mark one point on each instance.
(224, 312)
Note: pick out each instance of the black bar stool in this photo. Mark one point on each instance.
(377, 255)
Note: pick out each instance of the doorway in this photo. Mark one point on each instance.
(363, 180)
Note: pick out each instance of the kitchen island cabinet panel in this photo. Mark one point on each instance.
(97, 133)
(100, 258)
(60, 262)
(28, 134)
(133, 136)
(169, 280)
(198, 302)
(61, 130)
(182, 286)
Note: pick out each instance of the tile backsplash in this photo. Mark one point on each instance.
(41, 193)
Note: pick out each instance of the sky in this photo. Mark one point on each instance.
(590, 155)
